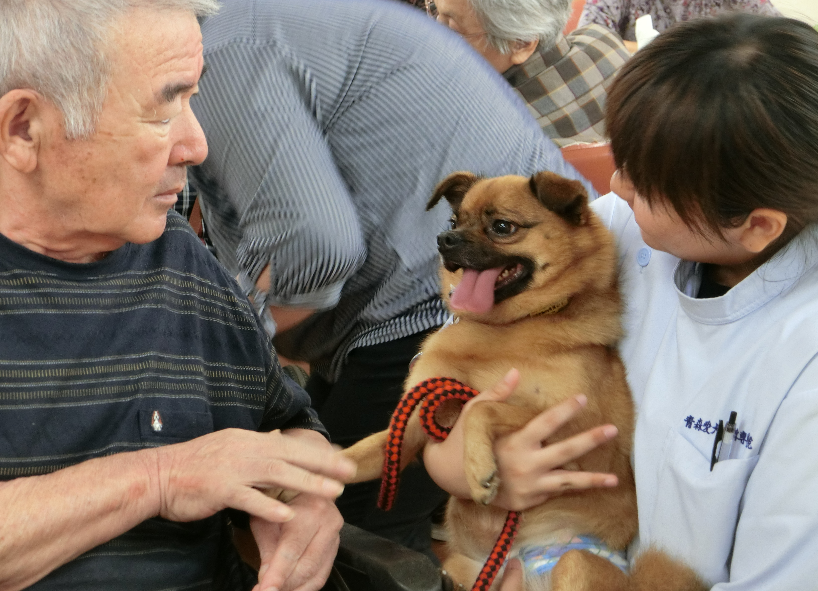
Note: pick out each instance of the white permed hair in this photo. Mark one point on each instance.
(58, 49)
(508, 22)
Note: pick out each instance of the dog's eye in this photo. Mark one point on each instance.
(503, 227)
(452, 223)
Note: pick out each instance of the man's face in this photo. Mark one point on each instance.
(118, 185)
(459, 16)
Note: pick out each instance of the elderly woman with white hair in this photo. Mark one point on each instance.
(563, 79)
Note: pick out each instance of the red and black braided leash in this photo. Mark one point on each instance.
(430, 394)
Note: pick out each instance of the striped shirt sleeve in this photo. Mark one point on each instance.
(289, 196)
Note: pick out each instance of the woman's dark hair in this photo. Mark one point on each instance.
(718, 117)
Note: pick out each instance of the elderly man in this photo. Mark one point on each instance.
(562, 79)
(329, 125)
(128, 353)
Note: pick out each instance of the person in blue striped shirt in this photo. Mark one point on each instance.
(329, 125)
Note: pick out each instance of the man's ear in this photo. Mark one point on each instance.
(761, 228)
(522, 50)
(21, 126)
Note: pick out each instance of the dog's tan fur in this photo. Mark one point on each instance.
(558, 353)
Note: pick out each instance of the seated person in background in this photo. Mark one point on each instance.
(562, 79)
(135, 373)
(621, 15)
(329, 125)
(714, 126)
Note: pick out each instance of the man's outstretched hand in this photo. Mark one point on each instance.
(231, 468)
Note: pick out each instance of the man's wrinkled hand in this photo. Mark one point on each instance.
(298, 555)
(231, 468)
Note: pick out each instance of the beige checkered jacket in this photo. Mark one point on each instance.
(565, 85)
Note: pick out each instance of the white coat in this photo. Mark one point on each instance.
(752, 522)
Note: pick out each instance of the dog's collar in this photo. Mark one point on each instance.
(553, 308)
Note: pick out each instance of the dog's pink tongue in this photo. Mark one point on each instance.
(475, 292)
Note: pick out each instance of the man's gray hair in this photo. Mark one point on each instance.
(507, 22)
(58, 49)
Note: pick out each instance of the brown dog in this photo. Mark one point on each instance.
(535, 287)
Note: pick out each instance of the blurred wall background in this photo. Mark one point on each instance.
(805, 10)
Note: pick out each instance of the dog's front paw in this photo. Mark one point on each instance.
(484, 488)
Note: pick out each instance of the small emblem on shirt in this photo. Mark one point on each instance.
(710, 427)
(156, 421)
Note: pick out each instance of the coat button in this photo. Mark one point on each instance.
(643, 257)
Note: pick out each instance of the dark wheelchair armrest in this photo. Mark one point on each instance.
(368, 562)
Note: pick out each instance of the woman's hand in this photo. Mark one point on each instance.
(529, 471)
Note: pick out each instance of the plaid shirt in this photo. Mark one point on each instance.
(565, 85)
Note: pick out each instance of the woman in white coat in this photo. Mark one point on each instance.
(714, 128)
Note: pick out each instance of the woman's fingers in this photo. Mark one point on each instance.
(576, 480)
(500, 390)
(531, 471)
(540, 489)
(560, 453)
(549, 421)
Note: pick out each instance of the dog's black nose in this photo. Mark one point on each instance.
(448, 240)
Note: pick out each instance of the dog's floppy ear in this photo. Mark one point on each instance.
(565, 197)
(453, 188)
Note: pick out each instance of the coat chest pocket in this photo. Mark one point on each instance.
(696, 510)
(161, 426)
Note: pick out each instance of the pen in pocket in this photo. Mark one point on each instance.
(723, 445)
(728, 437)
(714, 455)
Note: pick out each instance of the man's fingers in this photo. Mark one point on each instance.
(301, 558)
(277, 473)
(282, 566)
(260, 505)
(311, 456)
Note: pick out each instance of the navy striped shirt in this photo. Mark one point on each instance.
(154, 344)
(329, 125)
